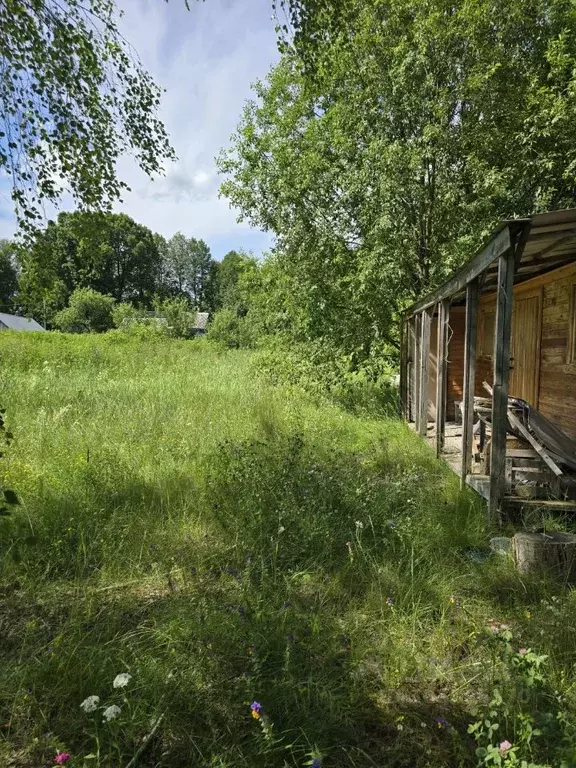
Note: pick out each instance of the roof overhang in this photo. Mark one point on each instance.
(549, 243)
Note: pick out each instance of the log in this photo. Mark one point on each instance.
(552, 552)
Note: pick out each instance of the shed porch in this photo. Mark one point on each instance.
(492, 326)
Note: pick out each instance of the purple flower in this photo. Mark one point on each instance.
(523, 651)
(256, 709)
(442, 723)
(316, 763)
(62, 758)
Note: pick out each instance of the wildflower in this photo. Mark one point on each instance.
(62, 758)
(256, 709)
(389, 602)
(523, 651)
(111, 713)
(316, 763)
(90, 704)
(496, 628)
(453, 600)
(349, 545)
(122, 680)
(281, 529)
(504, 747)
(442, 723)
(359, 525)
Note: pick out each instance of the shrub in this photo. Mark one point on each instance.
(87, 312)
(231, 329)
(178, 315)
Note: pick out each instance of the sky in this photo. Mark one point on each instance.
(206, 59)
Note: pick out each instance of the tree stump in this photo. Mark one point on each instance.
(552, 552)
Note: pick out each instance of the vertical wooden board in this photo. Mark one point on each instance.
(472, 294)
(424, 369)
(417, 371)
(404, 368)
(525, 348)
(442, 373)
(504, 303)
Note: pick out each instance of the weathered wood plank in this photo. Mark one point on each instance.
(499, 244)
(504, 305)
(424, 371)
(471, 334)
(535, 444)
(404, 338)
(442, 373)
(417, 372)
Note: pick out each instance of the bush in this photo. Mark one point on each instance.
(179, 318)
(87, 312)
(231, 329)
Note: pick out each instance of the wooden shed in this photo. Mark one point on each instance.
(503, 326)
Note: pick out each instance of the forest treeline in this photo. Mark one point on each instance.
(103, 260)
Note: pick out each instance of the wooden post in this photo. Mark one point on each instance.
(441, 373)
(404, 339)
(472, 292)
(424, 368)
(504, 300)
(416, 373)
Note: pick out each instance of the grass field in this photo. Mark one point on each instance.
(225, 542)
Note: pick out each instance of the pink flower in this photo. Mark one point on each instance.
(62, 758)
(523, 651)
(504, 747)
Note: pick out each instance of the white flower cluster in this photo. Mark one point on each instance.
(90, 704)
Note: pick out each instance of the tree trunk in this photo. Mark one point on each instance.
(551, 552)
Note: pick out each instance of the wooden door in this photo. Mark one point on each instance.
(525, 347)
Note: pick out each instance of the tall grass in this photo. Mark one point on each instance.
(225, 542)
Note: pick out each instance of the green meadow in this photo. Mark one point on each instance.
(224, 542)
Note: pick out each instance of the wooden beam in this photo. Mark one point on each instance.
(416, 374)
(501, 357)
(424, 370)
(498, 244)
(441, 373)
(471, 333)
(542, 452)
(404, 354)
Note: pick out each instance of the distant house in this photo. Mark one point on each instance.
(200, 323)
(17, 323)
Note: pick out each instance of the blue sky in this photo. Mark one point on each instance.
(206, 59)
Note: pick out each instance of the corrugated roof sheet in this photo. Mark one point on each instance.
(18, 323)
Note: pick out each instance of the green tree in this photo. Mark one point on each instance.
(74, 98)
(190, 271)
(108, 252)
(391, 142)
(8, 275)
(230, 270)
(87, 312)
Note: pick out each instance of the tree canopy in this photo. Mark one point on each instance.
(73, 98)
(108, 252)
(392, 137)
(188, 270)
(8, 275)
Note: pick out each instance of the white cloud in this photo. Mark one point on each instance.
(206, 59)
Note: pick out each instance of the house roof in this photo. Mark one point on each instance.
(549, 243)
(201, 321)
(18, 323)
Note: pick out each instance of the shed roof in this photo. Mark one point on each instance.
(201, 321)
(549, 243)
(18, 323)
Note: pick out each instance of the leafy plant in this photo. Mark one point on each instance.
(88, 312)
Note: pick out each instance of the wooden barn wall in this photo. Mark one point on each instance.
(557, 380)
(557, 390)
